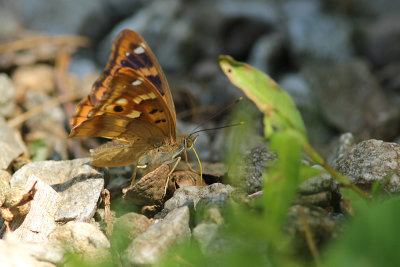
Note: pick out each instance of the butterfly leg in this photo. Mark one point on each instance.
(7, 223)
(178, 159)
(133, 175)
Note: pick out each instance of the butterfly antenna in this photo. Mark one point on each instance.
(217, 114)
(221, 127)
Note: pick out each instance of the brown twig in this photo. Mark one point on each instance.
(37, 110)
(62, 78)
(309, 238)
(107, 210)
(60, 40)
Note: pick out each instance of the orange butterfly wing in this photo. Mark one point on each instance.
(131, 100)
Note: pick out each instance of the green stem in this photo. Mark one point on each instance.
(336, 175)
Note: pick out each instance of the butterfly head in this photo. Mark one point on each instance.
(189, 140)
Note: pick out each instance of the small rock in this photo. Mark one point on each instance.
(48, 253)
(320, 199)
(216, 240)
(4, 185)
(128, 227)
(159, 238)
(13, 252)
(78, 183)
(39, 222)
(217, 169)
(206, 234)
(255, 164)
(7, 101)
(39, 78)
(48, 126)
(345, 142)
(195, 193)
(319, 183)
(16, 203)
(210, 209)
(11, 144)
(317, 191)
(83, 239)
(370, 161)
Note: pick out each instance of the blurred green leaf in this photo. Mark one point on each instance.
(281, 182)
(370, 238)
(275, 103)
(238, 139)
(280, 112)
(38, 150)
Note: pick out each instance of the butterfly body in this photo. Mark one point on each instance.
(118, 153)
(131, 103)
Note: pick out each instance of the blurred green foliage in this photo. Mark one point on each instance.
(38, 150)
(370, 237)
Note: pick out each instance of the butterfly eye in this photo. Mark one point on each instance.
(188, 143)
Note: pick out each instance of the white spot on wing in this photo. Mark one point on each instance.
(139, 50)
(137, 82)
(144, 97)
(122, 101)
(134, 114)
(137, 100)
(127, 54)
(121, 123)
(109, 108)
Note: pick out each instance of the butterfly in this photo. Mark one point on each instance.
(131, 103)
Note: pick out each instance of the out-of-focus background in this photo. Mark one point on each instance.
(340, 60)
